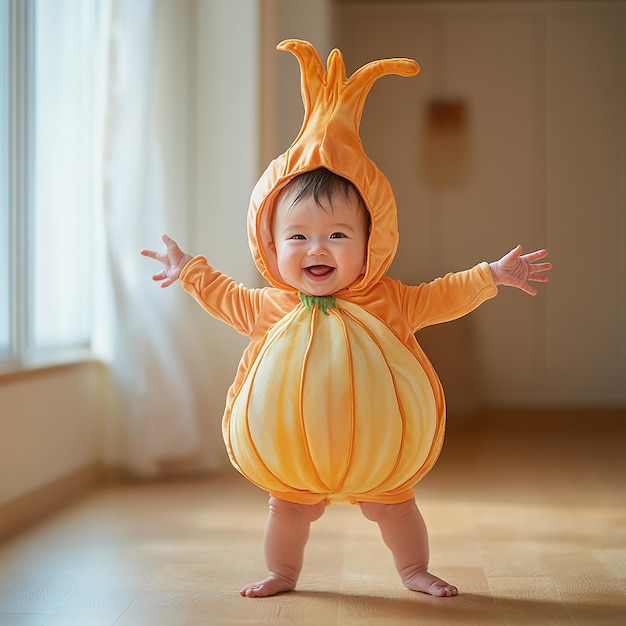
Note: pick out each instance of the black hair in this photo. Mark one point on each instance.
(321, 184)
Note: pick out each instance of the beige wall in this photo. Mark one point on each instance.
(281, 108)
(49, 426)
(545, 87)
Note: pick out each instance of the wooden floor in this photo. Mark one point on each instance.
(527, 515)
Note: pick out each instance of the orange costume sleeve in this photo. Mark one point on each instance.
(334, 399)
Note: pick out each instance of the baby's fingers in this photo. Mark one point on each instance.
(541, 267)
(167, 282)
(538, 278)
(165, 279)
(149, 253)
(162, 275)
(531, 257)
(170, 244)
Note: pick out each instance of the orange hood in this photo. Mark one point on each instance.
(329, 138)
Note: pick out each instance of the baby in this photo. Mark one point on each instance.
(334, 400)
(320, 234)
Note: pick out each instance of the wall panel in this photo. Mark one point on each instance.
(582, 194)
(545, 87)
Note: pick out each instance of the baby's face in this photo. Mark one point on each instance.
(320, 249)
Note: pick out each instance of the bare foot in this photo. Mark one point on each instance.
(425, 582)
(270, 586)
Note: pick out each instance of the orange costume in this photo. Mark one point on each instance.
(334, 399)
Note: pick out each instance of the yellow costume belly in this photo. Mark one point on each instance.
(334, 407)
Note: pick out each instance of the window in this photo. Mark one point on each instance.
(47, 65)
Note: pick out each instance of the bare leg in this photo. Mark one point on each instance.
(404, 532)
(286, 534)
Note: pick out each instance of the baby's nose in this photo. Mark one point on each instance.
(318, 248)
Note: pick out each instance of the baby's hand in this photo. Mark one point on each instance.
(515, 269)
(174, 260)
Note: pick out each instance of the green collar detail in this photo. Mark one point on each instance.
(323, 302)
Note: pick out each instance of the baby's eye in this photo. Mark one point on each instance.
(298, 237)
(337, 236)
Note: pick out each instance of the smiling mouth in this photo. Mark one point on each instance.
(318, 272)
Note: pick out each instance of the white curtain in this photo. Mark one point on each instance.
(154, 423)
